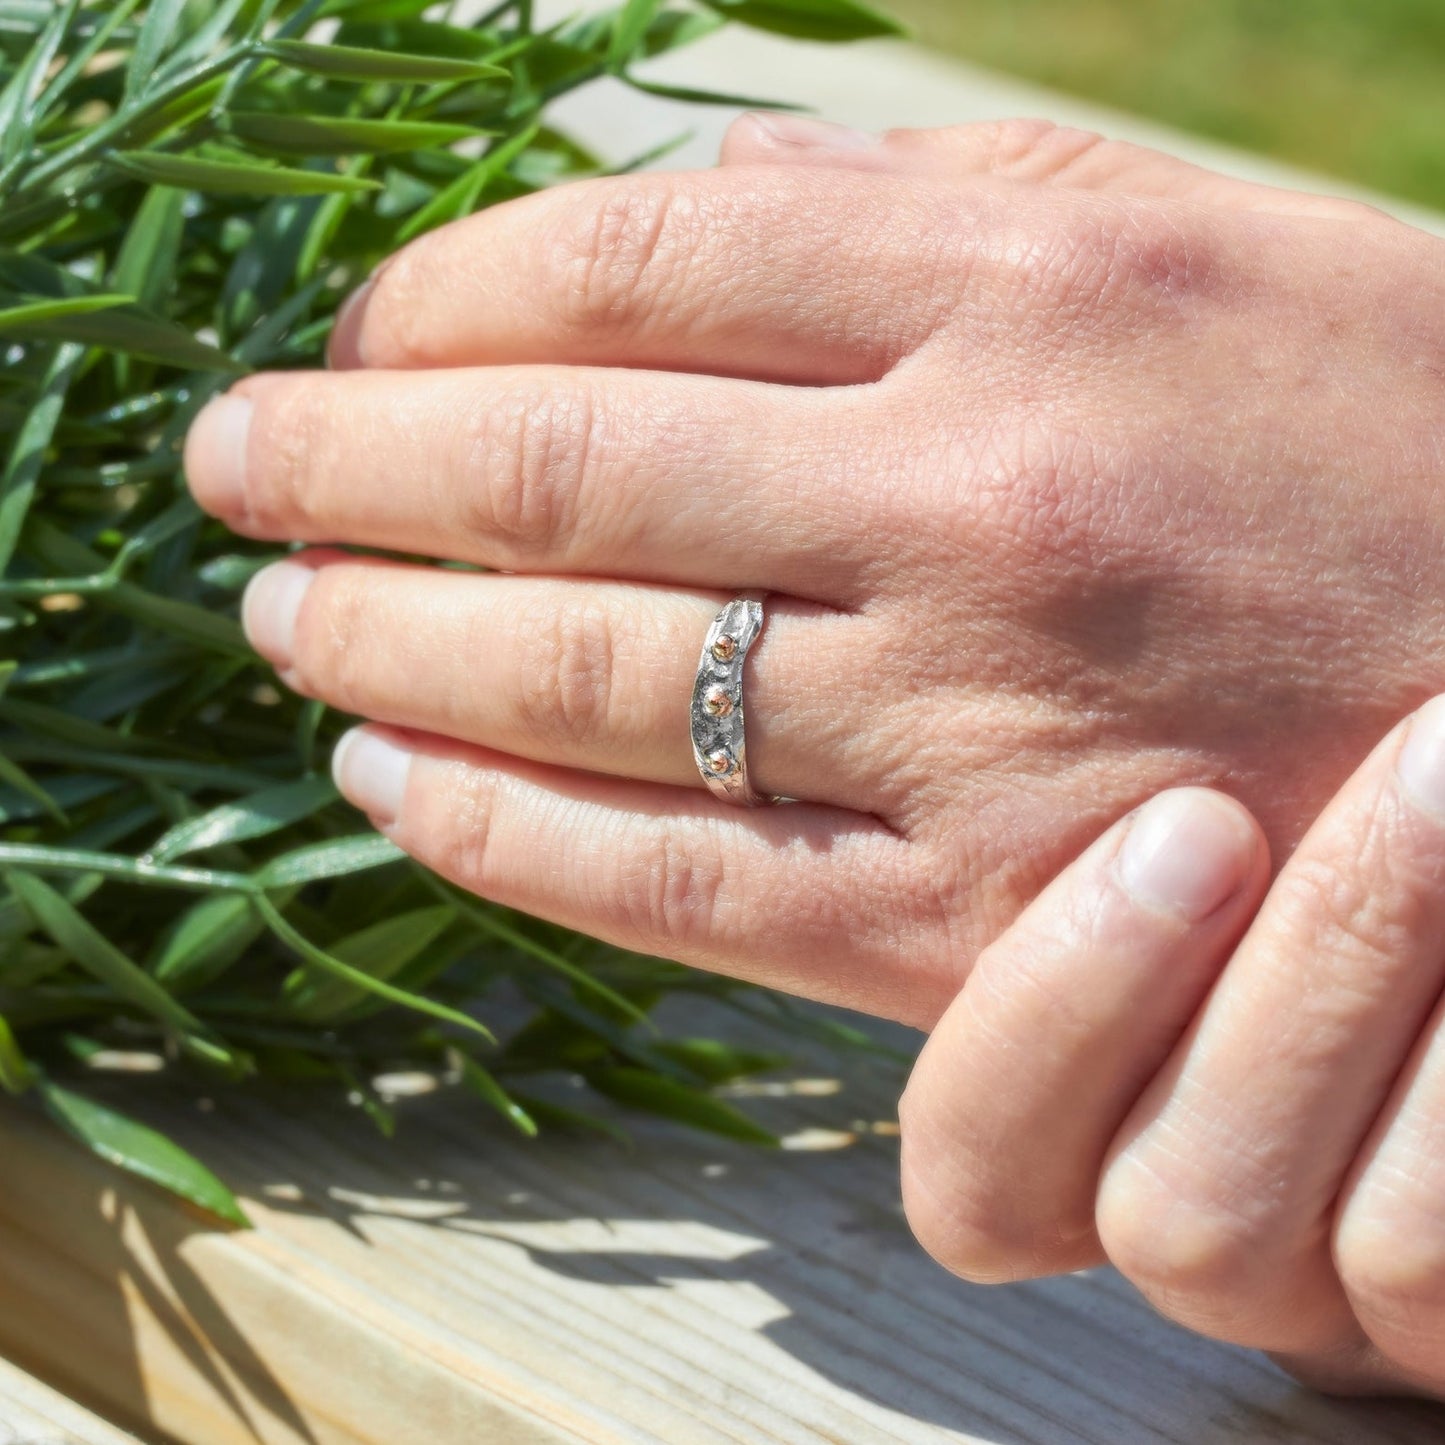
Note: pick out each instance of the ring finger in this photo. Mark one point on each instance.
(572, 671)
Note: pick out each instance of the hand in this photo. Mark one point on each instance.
(1075, 473)
(1250, 1129)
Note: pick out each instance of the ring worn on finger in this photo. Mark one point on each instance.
(719, 743)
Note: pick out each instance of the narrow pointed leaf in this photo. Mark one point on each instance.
(484, 1084)
(27, 453)
(669, 1099)
(254, 816)
(155, 36)
(233, 178)
(419, 1003)
(15, 1075)
(209, 937)
(140, 1150)
(324, 135)
(146, 262)
(15, 319)
(55, 916)
(810, 19)
(381, 951)
(350, 62)
(331, 859)
(628, 29)
(117, 324)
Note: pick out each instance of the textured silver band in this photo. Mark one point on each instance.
(719, 743)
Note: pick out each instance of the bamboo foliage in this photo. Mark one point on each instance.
(187, 190)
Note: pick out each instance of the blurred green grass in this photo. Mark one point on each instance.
(1351, 87)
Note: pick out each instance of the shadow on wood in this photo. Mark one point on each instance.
(458, 1285)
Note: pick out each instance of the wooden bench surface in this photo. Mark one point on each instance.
(34, 1414)
(458, 1284)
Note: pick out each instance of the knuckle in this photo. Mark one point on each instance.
(286, 457)
(530, 455)
(967, 1234)
(566, 694)
(1351, 909)
(965, 1213)
(1047, 491)
(335, 642)
(400, 314)
(1396, 1285)
(1036, 148)
(1190, 1251)
(458, 829)
(1100, 252)
(623, 256)
(674, 894)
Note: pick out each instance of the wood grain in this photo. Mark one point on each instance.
(34, 1414)
(459, 1285)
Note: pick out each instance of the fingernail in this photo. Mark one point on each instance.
(343, 350)
(269, 607)
(1187, 851)
(812, 134)
(371, 771)
(215, 454)
(1421, 764)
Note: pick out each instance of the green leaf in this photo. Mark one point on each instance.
(145, 265)
(17, 318)
(16, 777)
(140, 1150)
(15, 1074)
(207, 939)
(233, 178)
(331, 859)
(156, 34)
(810, 19)
(716, 1062)
(460, 198)
(27, 455)
(116, 323)
(674, 29)
(628, 29)
(325, 135)
(350, 62)
(551, 1115)
(42, 858)
(484, 1084)
(380, 951)
(253, 816)
(692, 96)
(669, 1099)
(418, 1003)
(55, 916)
(17, 110)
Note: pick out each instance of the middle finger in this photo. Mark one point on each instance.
(702, 481)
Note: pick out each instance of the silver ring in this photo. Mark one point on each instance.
(719, 743)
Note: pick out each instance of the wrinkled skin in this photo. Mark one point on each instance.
(1075, 473)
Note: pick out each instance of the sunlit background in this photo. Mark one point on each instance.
(1351, 87)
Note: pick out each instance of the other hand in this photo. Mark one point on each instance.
(1249, 1127)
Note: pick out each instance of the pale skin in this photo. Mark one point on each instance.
(1076, 475)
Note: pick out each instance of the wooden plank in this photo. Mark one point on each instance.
(458, 1284)
(34, 1414)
